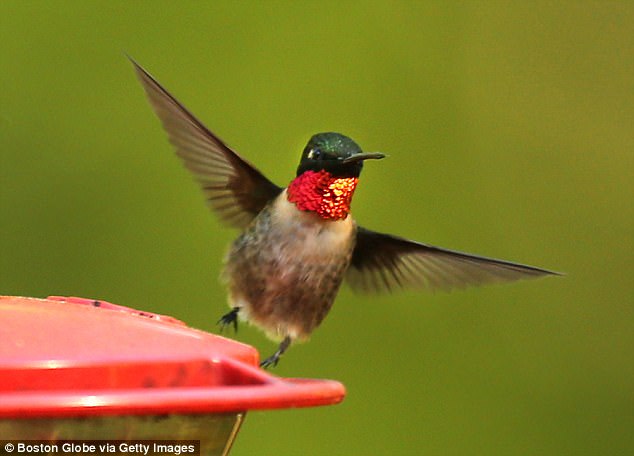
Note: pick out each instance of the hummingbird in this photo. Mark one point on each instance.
(299, 244)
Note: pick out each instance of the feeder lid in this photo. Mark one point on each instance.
(75, 357)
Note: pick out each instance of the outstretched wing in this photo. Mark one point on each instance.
(233, 187)
(384, 263)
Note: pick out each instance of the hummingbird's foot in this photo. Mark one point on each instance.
(229, 318)
(272, 360)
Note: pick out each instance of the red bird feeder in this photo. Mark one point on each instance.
(80, 369)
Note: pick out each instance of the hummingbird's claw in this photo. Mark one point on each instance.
(272, 360)
(229, 318)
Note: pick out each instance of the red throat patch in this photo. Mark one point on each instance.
(320, 192)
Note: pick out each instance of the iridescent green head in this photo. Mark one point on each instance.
(335, 153)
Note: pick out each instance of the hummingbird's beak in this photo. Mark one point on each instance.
(363, 156)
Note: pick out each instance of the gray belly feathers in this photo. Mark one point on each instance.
(284, 271)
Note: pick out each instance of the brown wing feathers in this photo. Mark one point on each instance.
(384, 263)
(233, 187)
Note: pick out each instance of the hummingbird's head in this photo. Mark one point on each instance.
(327, 175)
(336, 154)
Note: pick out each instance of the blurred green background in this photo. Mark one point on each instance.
(510, 130)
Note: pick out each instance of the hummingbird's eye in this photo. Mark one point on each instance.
(314, 154)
